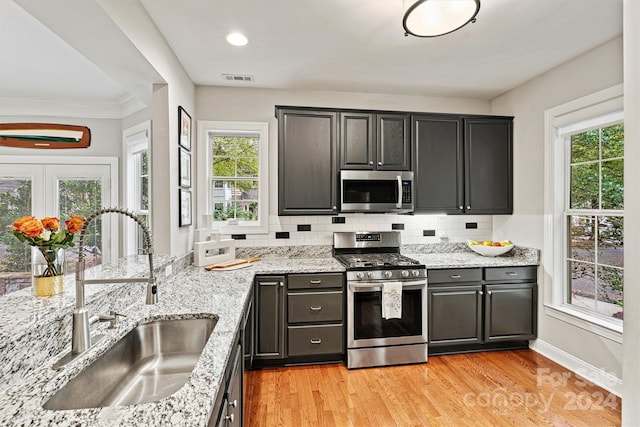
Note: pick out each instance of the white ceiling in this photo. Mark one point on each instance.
(344, 45)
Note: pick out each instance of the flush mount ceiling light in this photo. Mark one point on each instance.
(236, 39)
(433, 18)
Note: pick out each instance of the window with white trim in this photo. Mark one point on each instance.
(236, 187)
(137, 184)
(584, 241)
(595, 219)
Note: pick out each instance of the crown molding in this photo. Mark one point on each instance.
(124, 107)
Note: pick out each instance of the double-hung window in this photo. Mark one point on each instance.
(236, 179)
(584, 243)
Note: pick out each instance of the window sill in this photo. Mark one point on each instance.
(241, 229)
(602, 327)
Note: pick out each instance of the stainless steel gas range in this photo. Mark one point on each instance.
(386, 300)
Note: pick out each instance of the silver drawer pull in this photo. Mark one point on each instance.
(315, 341)
(455, 276)
(511, 273)
(315, 282)
(316, 308)
(480, 293)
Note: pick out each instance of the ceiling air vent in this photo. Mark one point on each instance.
(237, 78)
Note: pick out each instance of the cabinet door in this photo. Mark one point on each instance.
(438, 167)
(510, 312)
(270, 318)
(357, 149)
(392, 140)
(234, 401)
(307, 148)
(455, 314)
(488, 166)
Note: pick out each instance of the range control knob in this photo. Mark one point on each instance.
(370, 274)
(387, 274)
(415, 273)
(405, 273)
(360, 275)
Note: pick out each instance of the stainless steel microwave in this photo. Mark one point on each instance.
(376, 191)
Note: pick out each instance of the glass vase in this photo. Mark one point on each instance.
(48, 271)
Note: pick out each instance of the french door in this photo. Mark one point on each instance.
(76, 186)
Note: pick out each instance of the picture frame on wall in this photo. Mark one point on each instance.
(184, 120)
(185, 207)
(185, 168)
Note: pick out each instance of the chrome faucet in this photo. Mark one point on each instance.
(81, 326)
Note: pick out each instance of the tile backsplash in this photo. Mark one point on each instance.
(318, 230)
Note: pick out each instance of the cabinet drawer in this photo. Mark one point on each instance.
(315, 307)
(315, 281)
(454, 275)
(310, 340)
(511, 273)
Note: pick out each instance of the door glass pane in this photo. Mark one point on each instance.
(82, 197)
(15, 256)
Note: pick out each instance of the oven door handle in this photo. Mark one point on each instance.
(377, 286)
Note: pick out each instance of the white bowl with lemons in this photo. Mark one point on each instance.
(490, 247)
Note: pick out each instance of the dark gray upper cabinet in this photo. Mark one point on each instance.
(488, 166)
(307, 162)
(439, 164)
(377, 141)
(463, 164)
(357, 149)
(393, 143)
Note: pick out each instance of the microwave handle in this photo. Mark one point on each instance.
(399, 204)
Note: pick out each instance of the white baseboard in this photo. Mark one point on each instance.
(598, 376)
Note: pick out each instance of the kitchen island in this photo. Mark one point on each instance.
(35, 332)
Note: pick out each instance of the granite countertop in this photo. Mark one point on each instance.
(35, 332)
(192, 292)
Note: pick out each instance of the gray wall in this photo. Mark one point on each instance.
(598, 69)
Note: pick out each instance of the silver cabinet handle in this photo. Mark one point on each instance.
(315, 341)
(511, 273)
(335, 208)
(229, 418)
(315, 282)
(455, 276)
(480, 293)
(461, 207)
(489, 293)
(379, 163)
(281, 284)
(234, 404)
(468, 207)
(370, 162)
(316, 308)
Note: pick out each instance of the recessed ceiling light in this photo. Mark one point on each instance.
(237, 39)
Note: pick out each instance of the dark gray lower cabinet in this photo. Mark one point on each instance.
(455, 314)
(471, 309)
(299, 318)
(231, 411)
(270, 303)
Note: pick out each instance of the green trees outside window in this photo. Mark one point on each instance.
(595, 220)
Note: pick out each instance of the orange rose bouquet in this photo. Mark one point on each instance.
(47, 236)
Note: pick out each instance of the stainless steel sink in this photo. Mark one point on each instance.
(152, 361)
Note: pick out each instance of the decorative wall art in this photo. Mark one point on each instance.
(44, 135)
(185, 207)
(184, 120)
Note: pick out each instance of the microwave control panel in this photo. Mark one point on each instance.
(406, 191)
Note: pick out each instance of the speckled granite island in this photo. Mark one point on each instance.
(36, 332)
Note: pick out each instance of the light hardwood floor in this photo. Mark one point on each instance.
(503, 388)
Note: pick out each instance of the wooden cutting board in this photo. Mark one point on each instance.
(233, 264)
